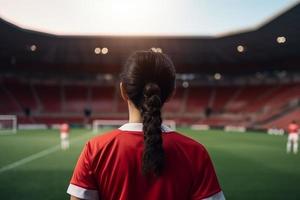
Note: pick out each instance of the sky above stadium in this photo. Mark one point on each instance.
(141, 17)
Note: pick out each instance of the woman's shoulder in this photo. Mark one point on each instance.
(185, 141)
(104, 138)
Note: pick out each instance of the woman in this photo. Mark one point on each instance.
(143, 159)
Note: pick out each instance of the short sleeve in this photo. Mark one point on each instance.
(206, 185)
(83, 184)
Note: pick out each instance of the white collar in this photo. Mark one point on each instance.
(139, 127)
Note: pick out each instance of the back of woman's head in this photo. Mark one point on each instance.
(148, 79)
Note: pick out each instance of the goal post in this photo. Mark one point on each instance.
(170, 123)
(8, 124)
(100, 124)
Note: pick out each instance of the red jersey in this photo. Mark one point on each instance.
(109, 168)
(64, 128)
(293, 128)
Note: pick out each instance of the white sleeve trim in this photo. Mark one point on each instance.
(218, 196)
(82, 193)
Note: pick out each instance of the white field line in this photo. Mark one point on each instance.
(37, 155)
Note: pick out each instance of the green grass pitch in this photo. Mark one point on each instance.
(249, 165)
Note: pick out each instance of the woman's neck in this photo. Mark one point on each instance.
(134, 114)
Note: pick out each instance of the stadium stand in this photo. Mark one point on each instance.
(285, 120)
(102, 98)
(177, 105)
(264, 105)
(198, 99)
(8, 103)
(74, 98)
(62, 79)
(222, 97)
(50, 97)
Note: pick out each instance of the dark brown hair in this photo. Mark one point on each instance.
(148, 79)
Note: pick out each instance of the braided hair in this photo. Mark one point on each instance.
(148, 79)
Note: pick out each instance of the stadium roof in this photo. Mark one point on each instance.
(272, 46)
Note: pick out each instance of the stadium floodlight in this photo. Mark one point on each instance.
(8, 124)
(102, 124)
(185, 84)
(281, 39)
(97, 50)
(104, 50)
(33, 47)
(240, 48)
(217, 76)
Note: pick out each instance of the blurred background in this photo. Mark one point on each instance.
(238, 86)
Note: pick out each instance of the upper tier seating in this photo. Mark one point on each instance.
(198, 99)
(50, 97)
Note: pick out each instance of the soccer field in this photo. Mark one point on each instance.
(249, 165)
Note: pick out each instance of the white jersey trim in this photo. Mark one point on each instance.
(218, 196)
(82, 193)
(139, 127)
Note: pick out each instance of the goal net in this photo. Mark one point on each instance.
(8, 124)
(100, 125)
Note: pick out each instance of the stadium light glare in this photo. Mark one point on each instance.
(33, 47)
(159, 50)
(281, 74)
(97, 50)
(108, 77)
(240, 48)
(156, 49)
(259, 75)
(281, 39)
(153, 49)
(185, 84)
(104, 50)
(217, 76)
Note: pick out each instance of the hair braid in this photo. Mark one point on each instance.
(153, 156)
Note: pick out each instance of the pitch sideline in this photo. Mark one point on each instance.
(38, 155)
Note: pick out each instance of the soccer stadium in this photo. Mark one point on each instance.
(236, 93)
